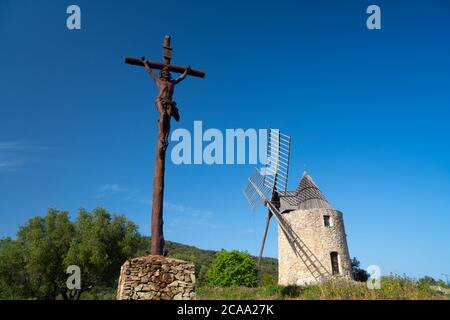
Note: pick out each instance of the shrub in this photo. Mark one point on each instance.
(358, 273)
(291, 291)
(232, 268)
(267, 279)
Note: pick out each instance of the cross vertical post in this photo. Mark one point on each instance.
(157, 239)
(167, 51)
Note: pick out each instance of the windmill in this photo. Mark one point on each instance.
(267, 185)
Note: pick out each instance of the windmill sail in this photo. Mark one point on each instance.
(265, 183)
(277, 168)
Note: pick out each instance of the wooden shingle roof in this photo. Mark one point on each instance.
(306, 196)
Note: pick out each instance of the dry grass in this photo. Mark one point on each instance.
(392, 288)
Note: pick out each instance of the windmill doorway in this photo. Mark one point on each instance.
(334, 263)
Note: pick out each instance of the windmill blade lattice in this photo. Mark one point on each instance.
(277, 168)
(266, 181)
(256, 191)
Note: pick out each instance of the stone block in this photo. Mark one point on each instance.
(156, 278)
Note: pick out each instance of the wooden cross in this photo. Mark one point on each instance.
(167, 56)
(167, 109)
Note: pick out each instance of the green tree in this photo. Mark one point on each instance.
(101, 245)
(13, 284)
(45, 242)
(232, 268)
(202, 275)
(34, 265)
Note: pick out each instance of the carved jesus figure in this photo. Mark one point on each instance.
(167, 108)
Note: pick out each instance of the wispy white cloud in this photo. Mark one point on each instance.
(176, 215)
(6, 165)
(188, 217)
(17, 153)
(113, 188)
(110, 189)
(20, 145)
(182, 209)
(179, 215)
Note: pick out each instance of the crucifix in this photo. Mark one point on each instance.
(167, 108)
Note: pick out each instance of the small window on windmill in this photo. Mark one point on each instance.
(326, 221)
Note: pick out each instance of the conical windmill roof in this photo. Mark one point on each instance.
(307, 196)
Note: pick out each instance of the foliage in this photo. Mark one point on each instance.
(233, 268)
(267, 279)
(11, 271)
(101, 245)
(34, 266)
(428, 281)
(44, 242)
(100, 293)
(358, 273)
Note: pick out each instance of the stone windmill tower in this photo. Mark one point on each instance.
(312, 244)
(319, 226)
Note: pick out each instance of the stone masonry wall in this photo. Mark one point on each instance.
(156, 278)
(321, 240)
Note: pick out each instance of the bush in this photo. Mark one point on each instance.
(267, 279)
(358, 274)
(291, 291)
(233, 268)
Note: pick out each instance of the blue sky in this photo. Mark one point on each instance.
(368, 112)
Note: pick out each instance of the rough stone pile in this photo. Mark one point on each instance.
(156, 278)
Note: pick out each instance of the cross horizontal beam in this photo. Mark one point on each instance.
(159, 66)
